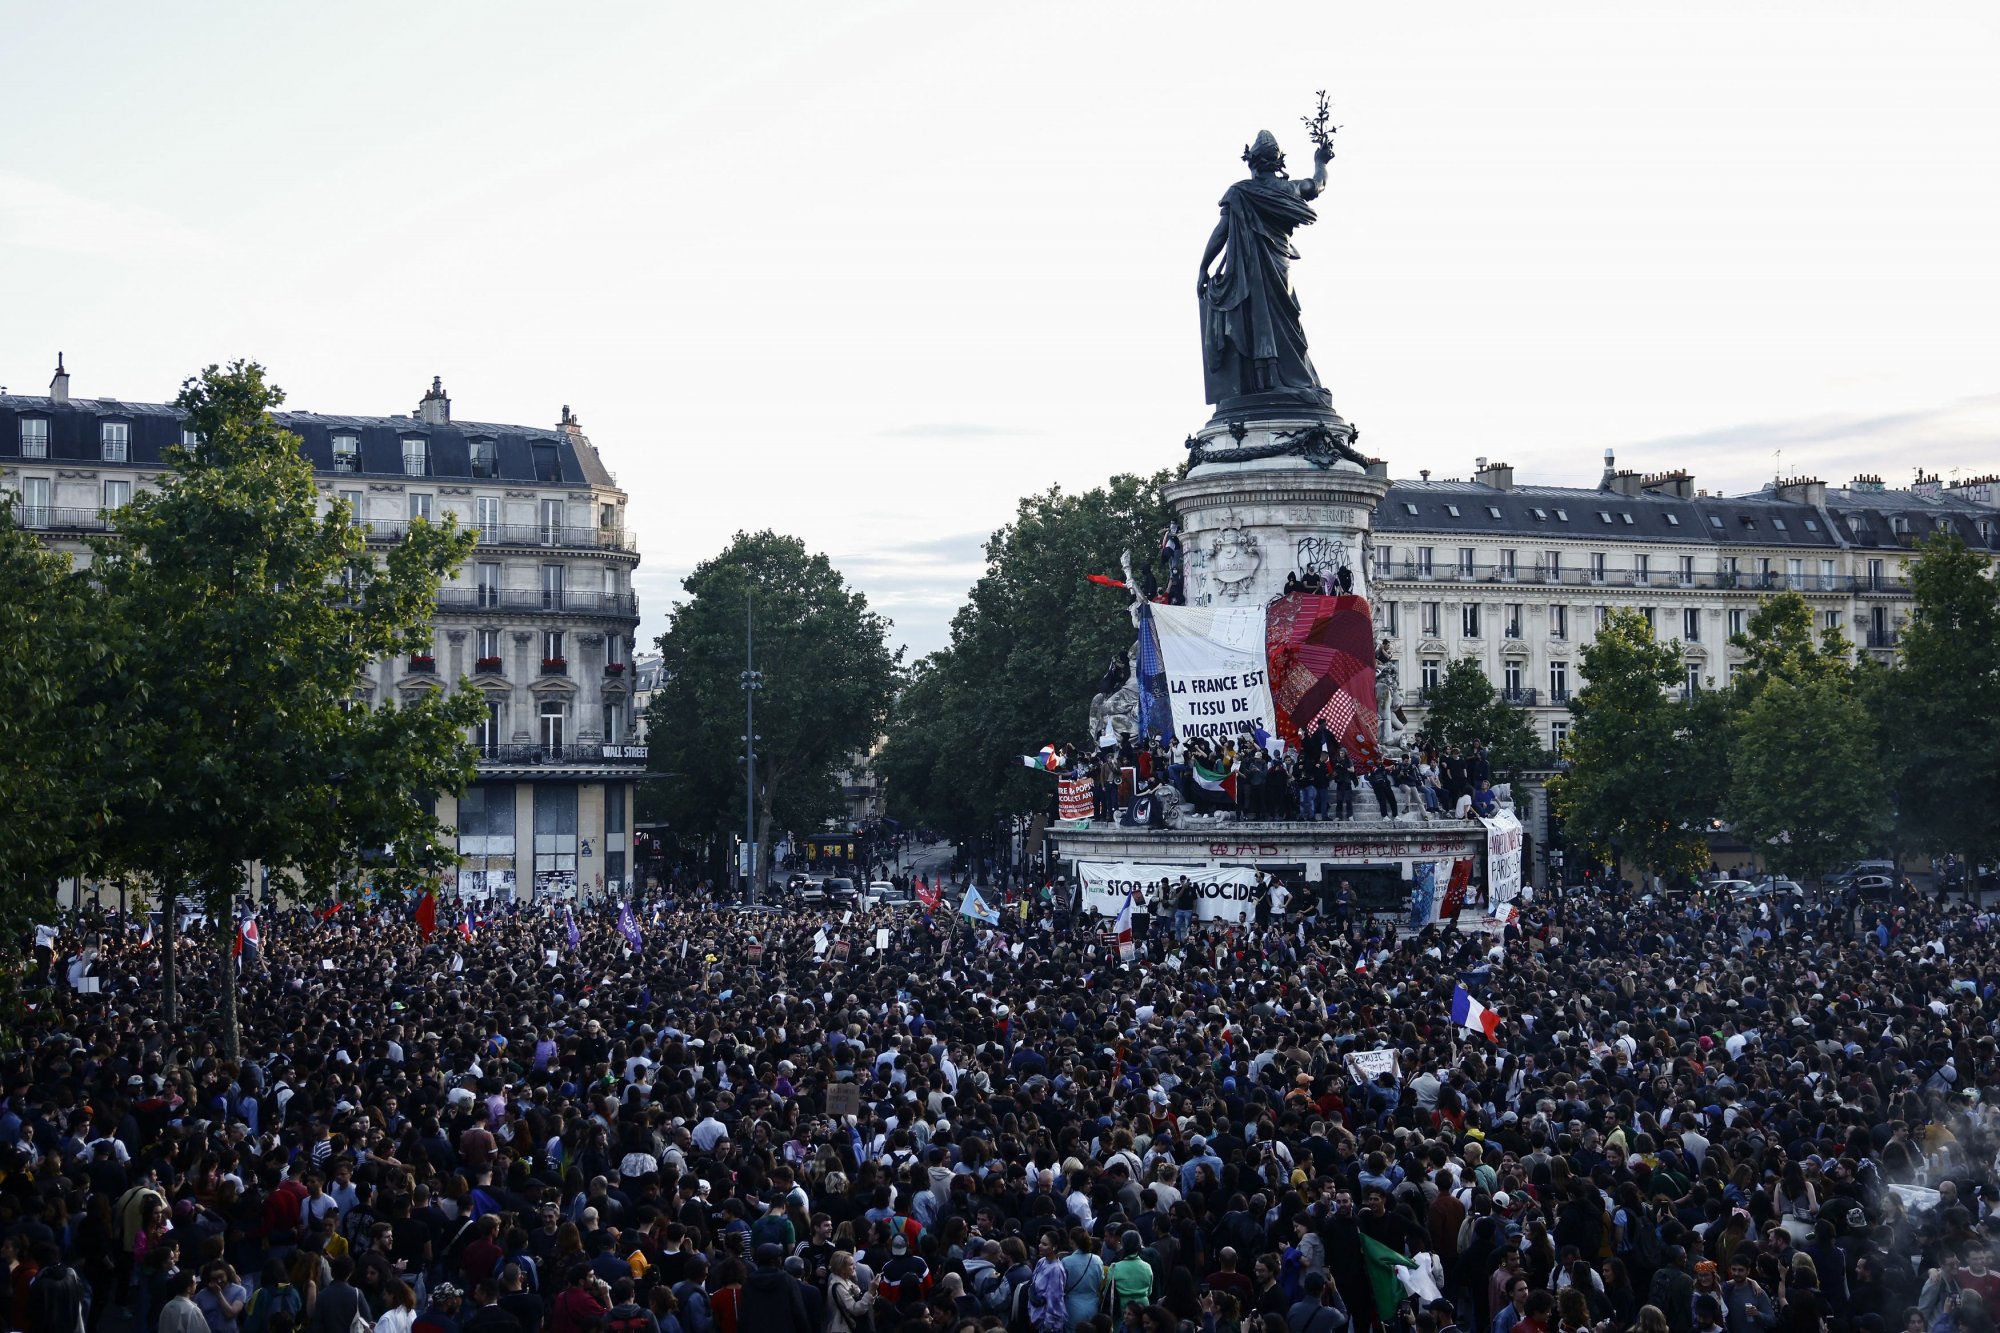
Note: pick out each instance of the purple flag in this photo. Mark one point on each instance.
(629, 928)
(575, 935)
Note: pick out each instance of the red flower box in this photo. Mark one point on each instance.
(487, 664)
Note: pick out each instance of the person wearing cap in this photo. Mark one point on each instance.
(905, 1280)
(440, 1315)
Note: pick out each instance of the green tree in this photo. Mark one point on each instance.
(58, 655)
(1465, 708)
(1940, 706)
(1778, 644)
(828, 674)
(1805, 785)
(1026, 652)
(1644, 777)
(1804, 781)
(250, 621)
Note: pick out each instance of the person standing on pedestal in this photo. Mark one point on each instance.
(1343, 786)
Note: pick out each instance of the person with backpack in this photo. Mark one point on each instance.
(692, 1293)
(626, 1314)
(906, 1279)
(1319, 1310)
(275, 1295)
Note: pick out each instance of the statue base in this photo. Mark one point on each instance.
(1278, 405)
(1248, 522)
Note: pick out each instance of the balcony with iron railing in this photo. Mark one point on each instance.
(538, 599)
(1410, 571)
(62, 518)
(1883, 638)
(1520, 696)
(574, 536)
(523, 756)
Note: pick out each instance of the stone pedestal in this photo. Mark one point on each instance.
(1246, 524)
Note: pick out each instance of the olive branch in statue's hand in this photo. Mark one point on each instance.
(1316, 125)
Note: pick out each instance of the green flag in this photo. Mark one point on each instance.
(1382, 1264)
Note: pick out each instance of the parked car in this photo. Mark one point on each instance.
(881, 893)
(1847, 875)
(834, 891)
(1882, 888)
(1774, 887)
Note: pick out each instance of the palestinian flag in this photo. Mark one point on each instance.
(1382, 1263)
(1214, 779)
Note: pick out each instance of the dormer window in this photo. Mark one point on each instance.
(1750, 523)
(485, 458)
(548, 467)
(1812, 525)
(1409, 509)
(1627, 516)
(1673, 520)
(1453, 510)
(1779, 524)
(346, 453)
(1492, 511)
(1541, 515)
(34, 437)
(416, 456)
(1604, 514)
(115, 440)
(190, 437)
(1562, 515)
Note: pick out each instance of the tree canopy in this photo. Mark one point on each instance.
(247, 622)
(828, 674)
(62, 664)
(1643, 779)
(1465, 707)
(1026, 652)
(1804, 788)
(1940, 706)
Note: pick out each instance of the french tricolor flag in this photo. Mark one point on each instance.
(1473, 1016)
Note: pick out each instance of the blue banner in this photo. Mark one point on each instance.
(1156, 719)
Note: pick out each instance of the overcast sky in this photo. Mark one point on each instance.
(867, 273)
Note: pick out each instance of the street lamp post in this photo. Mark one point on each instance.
(753, 681)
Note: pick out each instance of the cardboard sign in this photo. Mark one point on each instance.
(882, 939)
(756, 955)
(841, 950)
(843, 1099)
(1367, 1066)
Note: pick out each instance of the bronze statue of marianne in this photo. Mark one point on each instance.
(1253, 345)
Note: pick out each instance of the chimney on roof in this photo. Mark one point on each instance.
(1610, 471)
(569, 425)
(1678, 483)
(59, 386)
(1499, 476)
(436, 406)
(1801, 491)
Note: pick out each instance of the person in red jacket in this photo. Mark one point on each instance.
(581, 1305)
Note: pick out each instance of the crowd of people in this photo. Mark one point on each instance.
(1250, 777)
(1696, 1117)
